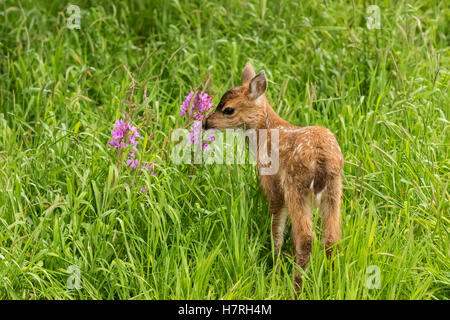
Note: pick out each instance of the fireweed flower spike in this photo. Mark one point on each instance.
(124, 135)
(122, 130)
(197, 107)
(186, 104)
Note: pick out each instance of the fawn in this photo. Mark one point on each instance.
(310, 166)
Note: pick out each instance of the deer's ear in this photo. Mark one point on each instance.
(258, 85)
(248, 73)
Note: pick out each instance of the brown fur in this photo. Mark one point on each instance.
(310, 165)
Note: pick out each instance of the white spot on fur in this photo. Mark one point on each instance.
(283, 215)
(311, 185)
(298, 130)
(319, 196)
(282, 176)
(299, 148)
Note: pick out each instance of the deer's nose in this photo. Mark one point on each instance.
(205, 124)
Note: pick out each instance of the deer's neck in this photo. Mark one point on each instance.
(268, 137)
(271, 119)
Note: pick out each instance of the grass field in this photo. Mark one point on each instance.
(63, 204)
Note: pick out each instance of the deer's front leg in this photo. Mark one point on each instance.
(299, 206)
(278, 225)
(278, 210)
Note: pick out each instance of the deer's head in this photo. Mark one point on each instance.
(241, 106)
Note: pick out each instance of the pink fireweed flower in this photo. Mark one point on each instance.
(125, 138)
(198, 107)
(124, 135)
(135, 132)
(119, 134)
(186, 104)
(146, 166)
(196, 132)
(205, 146)
(132, 163)
(123, 145)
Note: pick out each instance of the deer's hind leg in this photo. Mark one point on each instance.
(330, 206)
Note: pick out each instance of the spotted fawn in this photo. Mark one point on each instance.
(310, 166)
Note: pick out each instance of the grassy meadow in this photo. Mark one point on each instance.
(63, 203)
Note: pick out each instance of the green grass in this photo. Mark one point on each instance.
(385, 94)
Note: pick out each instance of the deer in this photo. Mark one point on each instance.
(309, 172)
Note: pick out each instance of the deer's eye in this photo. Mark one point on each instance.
(228, 111)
